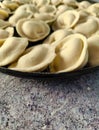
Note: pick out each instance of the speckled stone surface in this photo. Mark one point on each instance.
(61, 104)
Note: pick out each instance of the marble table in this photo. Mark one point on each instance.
(51, 104)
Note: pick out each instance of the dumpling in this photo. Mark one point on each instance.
(12, 5)
(22, 1)
(11, 49)
(93, 49)
(4, 24)
(5, 8)
(5, 33)
(40, 3)
(83, 4)
(84, 15)
(15, 18)
(47, 9)
(71, 54)
(35, 58)
(67, 19)
(26, 8)
(57, 35)
(46, 13)
(62, 8)
(72, 3)
(32, 29)
(24, 11)
(87, 26)
(48, 18)
(94, 9)
(55, 2)
(3, 13)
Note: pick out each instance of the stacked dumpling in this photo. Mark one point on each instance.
(49, 35)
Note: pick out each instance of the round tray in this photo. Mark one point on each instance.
(44, 75)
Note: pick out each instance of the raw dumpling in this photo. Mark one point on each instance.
(87, 26)
(4, 24)
(35, 58)
(55, 2)
(15, 18)
(84, 15)
(46, 13)
(12, 5)
(93, 48)
(5, 33)
(67, 19)
(5, 8)
(3, 14)
(57, 35)
(11, 49)
(22, 1)
(48, 18)
(40, 3)
(47, 9)
(24, 11)
(27, 8)
(32, 29)
(94, 9)
(71, 54)
(72, 3)
(62, 8)
(84, 4)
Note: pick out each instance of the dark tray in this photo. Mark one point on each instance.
(45, 75)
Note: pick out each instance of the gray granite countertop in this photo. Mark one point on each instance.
(61, 104)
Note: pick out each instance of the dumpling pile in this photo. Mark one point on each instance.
(49, 35)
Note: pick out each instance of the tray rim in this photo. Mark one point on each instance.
(45, 75)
